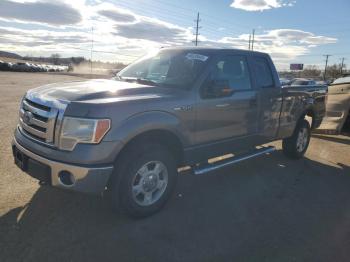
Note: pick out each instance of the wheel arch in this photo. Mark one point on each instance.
(163, 137)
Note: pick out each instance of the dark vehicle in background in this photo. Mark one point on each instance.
(22, 67)
(337, 117)
(177, 107)
(3, 66)
(303, 82)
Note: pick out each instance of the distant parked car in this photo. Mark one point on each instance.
(285, 82)
(34, 68)
(303, 82)
(3, 66)
(322, 83)
(10, 66)
(338, 106)
(22, 67)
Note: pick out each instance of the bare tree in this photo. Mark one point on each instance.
(311, 71)
(334, 71)
(55, 58)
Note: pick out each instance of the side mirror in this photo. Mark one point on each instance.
(219, 88)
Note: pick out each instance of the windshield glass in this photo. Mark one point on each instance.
(342, 80)
(174, 68)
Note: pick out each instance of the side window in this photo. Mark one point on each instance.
(228, 74)
(263, 72)
(234, 69)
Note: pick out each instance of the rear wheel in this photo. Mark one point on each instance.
(296, 145)
(145, 178)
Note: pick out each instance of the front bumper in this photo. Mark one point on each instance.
(90, 179)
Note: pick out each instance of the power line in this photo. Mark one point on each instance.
(342, 65)
(92, 47)
(197, 29)
(253, 39)
(104, 52)
(250, 36)
(170, 11)
(325, 68)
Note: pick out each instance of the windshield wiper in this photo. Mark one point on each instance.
(138, 80)
(146, 81)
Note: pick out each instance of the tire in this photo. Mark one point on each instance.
(144, 180)
(296, 145)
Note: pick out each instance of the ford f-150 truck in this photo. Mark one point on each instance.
(127, 137)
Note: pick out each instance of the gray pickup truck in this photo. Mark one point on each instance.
(127, 137)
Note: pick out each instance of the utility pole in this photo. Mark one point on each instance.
(197, 29)
(92, 47)
(342, 66)
(325, 68)
(250, 38)
(253, 39)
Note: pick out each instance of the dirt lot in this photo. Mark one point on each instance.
(267, 209)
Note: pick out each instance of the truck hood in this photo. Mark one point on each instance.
(98, 91)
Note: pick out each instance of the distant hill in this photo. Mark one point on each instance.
(9, 55)
(56, 59)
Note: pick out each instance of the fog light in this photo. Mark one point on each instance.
(66, 178)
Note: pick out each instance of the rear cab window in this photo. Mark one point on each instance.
(262, 72)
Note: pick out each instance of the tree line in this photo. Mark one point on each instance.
(312, 71)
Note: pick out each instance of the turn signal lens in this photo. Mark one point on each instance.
(102, 128)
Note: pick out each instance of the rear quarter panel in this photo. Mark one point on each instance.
(297, 101)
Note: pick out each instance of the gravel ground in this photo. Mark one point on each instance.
(267, 209)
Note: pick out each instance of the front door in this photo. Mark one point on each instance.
(227, 106)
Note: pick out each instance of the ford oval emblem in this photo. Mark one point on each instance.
(27, 117)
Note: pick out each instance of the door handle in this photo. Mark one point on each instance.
(222, 105)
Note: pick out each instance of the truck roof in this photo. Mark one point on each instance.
(215, 50)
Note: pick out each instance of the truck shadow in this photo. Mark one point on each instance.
(272, 208)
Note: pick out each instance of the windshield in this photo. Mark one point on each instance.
(173, 68)
(342, 80)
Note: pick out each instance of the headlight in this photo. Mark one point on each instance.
(82, 130)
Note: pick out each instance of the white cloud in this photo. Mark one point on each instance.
(154, 30)
(260, 5)
(123, 34)
(48, 12)
(284, 45)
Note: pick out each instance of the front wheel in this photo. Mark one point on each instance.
(296, 145)
(146, 177)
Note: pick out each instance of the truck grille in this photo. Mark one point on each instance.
(38, 120)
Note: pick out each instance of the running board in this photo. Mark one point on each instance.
(228, 162)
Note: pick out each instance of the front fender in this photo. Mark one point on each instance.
(148, 121)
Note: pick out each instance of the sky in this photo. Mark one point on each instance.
(291, 31)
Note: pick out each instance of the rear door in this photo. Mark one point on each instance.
(269, 94)
(232, 114)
